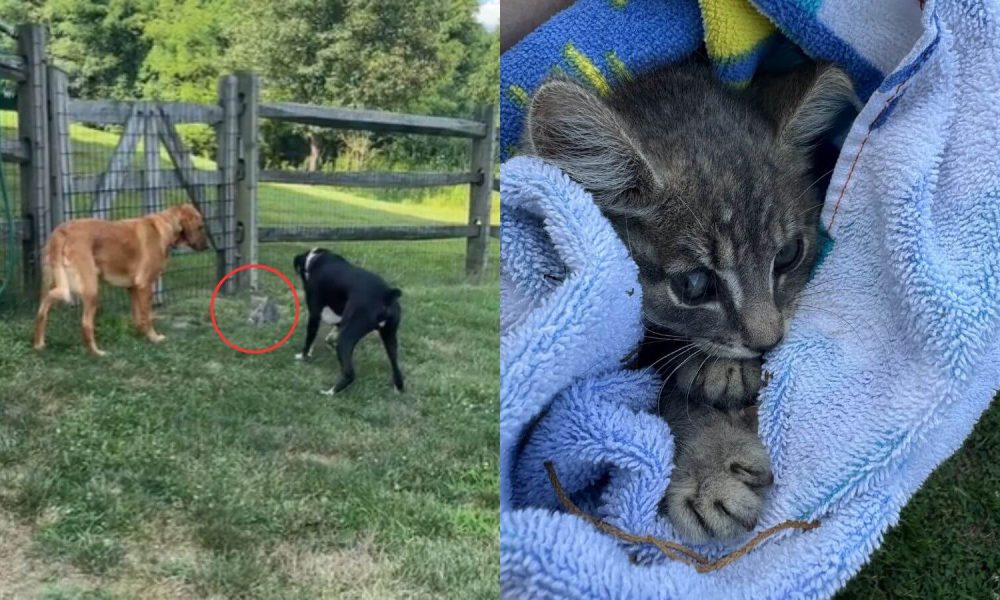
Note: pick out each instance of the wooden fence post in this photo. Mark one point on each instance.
(481, 196)
(246, 190)
(60, 151)
(227, 159)
(152, 198)
(32, 127)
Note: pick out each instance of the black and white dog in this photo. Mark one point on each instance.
(353, 300)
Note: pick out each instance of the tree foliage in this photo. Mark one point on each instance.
(427, 57)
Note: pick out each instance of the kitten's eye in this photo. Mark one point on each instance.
(694, 287)
(788, 256)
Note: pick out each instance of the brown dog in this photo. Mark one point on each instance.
(130, 253)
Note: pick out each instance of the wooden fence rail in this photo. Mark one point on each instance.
(12, 68)
(371, 120)
(380, 233)
(371, 180)
(112, 112)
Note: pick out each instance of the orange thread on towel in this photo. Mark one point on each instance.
(672, 550)
(850, 173)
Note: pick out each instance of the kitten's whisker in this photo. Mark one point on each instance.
(802, 212)
(818, 179)
(646, 316)
(830, 280)
(628, 241)
(688, 206)
(655, 335)
(694, 382)
(666, 358)
(827, 292)
(659, 396)
(660, 333)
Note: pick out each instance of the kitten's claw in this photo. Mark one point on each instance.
(718, 484)
(722, 382)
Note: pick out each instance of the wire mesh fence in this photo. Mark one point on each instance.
(125, 172)
(11, 277)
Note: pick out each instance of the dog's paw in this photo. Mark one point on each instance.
(299, 356)
(722, 382)
(719, 481)
(156, 338)
(329, 392)
(39, 347)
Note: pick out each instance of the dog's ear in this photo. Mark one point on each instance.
(393, 295)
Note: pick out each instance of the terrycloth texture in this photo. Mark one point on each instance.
(882, 375)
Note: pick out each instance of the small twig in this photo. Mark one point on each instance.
(670, 549)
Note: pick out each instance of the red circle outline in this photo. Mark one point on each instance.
(272, 347)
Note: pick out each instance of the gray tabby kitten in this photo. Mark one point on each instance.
(711, 191)
(263, 310)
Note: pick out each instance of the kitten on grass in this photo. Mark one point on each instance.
(263, 310)
(712, 191)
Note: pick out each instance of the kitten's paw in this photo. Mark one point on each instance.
(722, 382)
(719, 482)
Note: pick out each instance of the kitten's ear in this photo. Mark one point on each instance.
(803, 104)
(570, 127)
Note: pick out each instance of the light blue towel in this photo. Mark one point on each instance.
(880, 378)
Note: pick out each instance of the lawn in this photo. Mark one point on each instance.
(189, 470)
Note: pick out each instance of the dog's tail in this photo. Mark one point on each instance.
(54, 275)
(392, 295)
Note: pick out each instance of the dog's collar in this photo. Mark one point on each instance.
(309, 258)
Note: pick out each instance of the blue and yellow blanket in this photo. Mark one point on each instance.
(600, 41)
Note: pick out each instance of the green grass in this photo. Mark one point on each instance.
(188, 470)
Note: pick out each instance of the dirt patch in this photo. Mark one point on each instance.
(161, 547)
(24, 576)
(443, 350)
(316, 458)
(143, 576)
(360, 571)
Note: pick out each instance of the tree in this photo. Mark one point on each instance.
(187, 41)
(358, 53)
(99, 43)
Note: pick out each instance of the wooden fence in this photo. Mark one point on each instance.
(52, 192)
